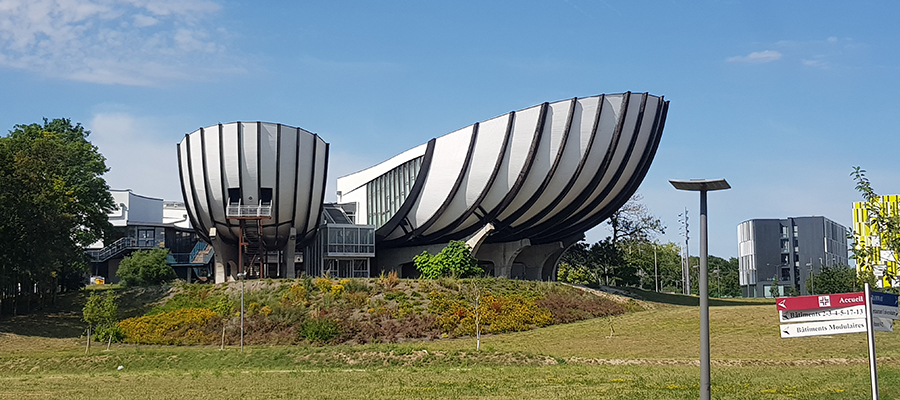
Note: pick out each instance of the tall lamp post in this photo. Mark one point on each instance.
(703, 186)
(242, 276)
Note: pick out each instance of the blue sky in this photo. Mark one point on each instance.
(779, 98)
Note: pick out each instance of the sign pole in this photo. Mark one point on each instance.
(870, 332)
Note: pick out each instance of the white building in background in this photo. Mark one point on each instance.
(143, 223)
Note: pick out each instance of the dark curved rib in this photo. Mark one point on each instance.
(504, 229)
(530, 224)
(439, 235)
(223, 180)
(529, 160)
(630, 187)
(598, 177)
(275, 200)
(640, 173)
(191, 215)
(454, 191)
(324, 180)
(206, 185)
(411, 197)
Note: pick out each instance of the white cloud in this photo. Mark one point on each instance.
(125, 42)
(136, 156)
(815, 63)
(757, 57)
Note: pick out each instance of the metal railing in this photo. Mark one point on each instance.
(119, 246)
(241, 211)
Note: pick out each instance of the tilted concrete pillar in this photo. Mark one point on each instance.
(289, 254)
(502, 255)
(226, 254)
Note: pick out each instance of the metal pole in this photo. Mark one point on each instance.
(870, 332)
(243, 276)
(655, 268)
(704, 303)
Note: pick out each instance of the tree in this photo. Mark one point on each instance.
(633, 222)
(834, 279)
(100, 313)
(881, 222)
(773, 290)
(145, 268)
(53, 203)
(454, 260)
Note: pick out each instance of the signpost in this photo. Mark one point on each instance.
(833, 314)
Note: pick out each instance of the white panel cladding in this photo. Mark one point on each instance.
(359, 197)
(268, 155)
(254, 157)
(199, 180)
(230, 159)
(603, 137)
(449, 157)
(315, 195)
(185, 174)
(514, 158)
(619, 151)
(289, 167)
(249, 159)
(547, 152)
(488, 146)
(213, 173)
(268, 169)
(635, 156)
(304, 181)
(572, 155)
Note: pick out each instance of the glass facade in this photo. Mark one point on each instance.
(385, 194)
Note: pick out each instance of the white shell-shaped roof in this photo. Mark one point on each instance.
(543, 173)
(254, 156)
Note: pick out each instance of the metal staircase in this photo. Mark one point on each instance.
(118, 247)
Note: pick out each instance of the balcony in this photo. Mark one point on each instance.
(241, 211)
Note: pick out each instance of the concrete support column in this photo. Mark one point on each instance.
(225, 254)
(502, 255)
(536, 257)
(289, 254)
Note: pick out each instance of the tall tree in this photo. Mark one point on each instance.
(633, 222)
(53, 203)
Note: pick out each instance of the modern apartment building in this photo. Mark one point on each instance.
(787, 251)
(882, 262)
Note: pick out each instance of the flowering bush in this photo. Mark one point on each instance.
(180, 327)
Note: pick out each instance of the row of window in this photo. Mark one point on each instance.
(385, 194)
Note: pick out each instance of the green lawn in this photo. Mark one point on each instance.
(650, 354)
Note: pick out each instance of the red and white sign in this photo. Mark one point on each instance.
(821, 301)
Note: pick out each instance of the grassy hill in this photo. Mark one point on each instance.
(647, 353)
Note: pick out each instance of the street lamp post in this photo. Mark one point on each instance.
(703, 186)
(241, 276)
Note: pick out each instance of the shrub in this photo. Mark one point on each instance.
(573, 307)
(319, 330)
(185, 326)
(389, 281)
(296, 295)
(323, 284)
(145, 268)
(454, 260)
(356, 285)
(199, 296)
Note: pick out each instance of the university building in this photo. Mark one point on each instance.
(786, 251)
(882, 262)
(519, 188)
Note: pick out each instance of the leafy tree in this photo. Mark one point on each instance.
(834, 279)
(53, 203)
(633, 222)
(725, 283)
(773, 290)
(881, 222)
(145, 268)
(101, 312)
(454, 260)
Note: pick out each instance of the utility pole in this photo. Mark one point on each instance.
(685, 254)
